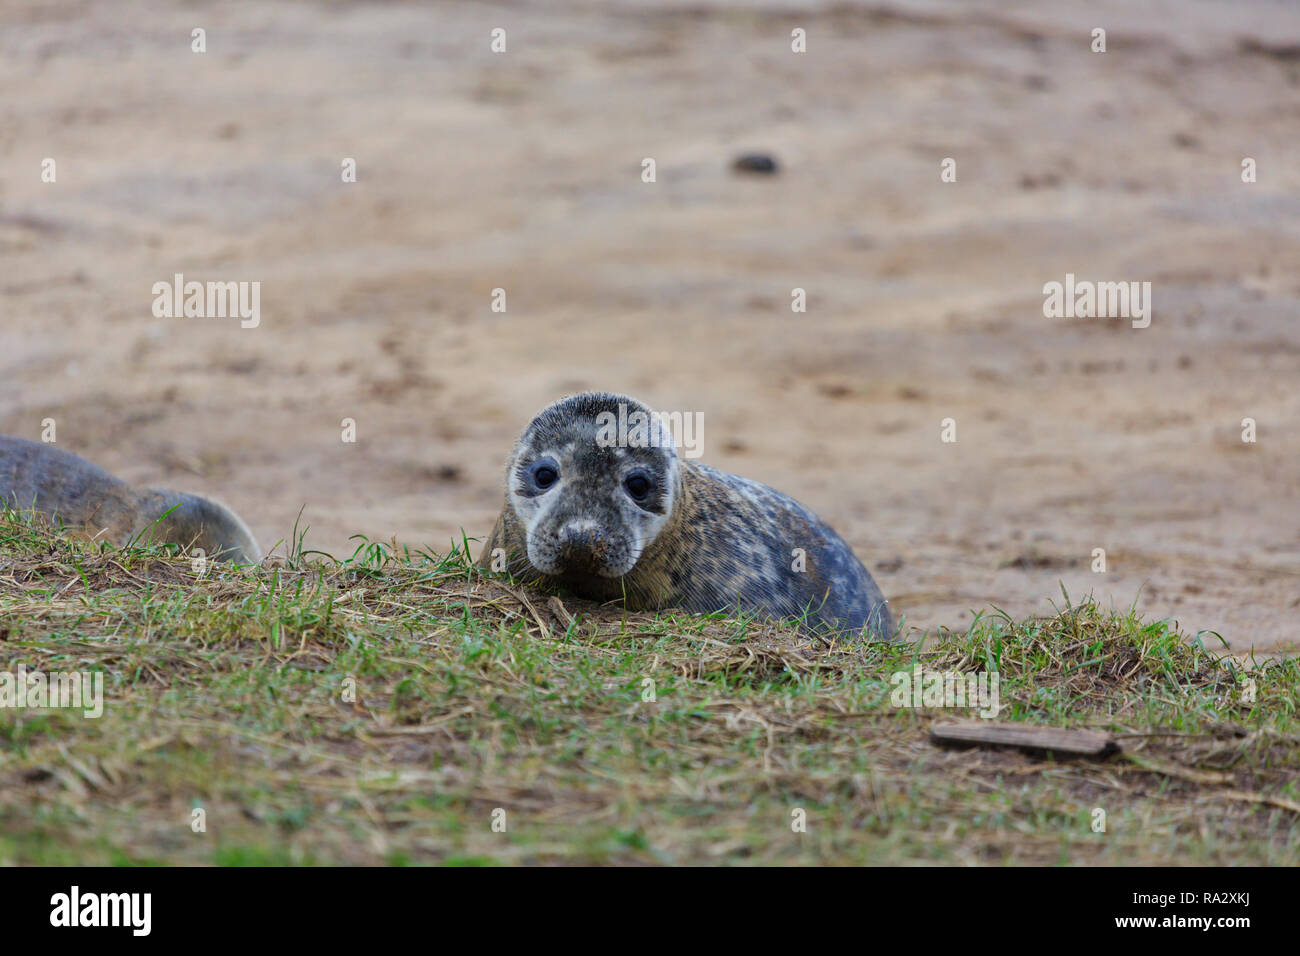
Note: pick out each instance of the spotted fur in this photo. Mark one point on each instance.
(69, 489)
(703, 541)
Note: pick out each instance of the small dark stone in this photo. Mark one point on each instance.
(755, 163)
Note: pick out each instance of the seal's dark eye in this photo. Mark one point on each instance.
(545, 474)
(638, 485)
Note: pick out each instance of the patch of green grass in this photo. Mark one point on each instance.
(403, 708)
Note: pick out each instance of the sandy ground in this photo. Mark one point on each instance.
(522, 171)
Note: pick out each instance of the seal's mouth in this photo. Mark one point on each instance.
(580, 552)
(582, 569)
(587, 554)
(583, 553)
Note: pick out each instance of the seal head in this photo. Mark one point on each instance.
(593, 480)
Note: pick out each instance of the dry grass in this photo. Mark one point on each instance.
(226, 692)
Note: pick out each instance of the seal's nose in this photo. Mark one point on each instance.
(583, 548)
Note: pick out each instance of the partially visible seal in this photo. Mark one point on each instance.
(66, 488)
(630, 520)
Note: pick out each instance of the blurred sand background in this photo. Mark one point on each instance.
(522, 171)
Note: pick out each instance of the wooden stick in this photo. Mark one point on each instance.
(1045, 740)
